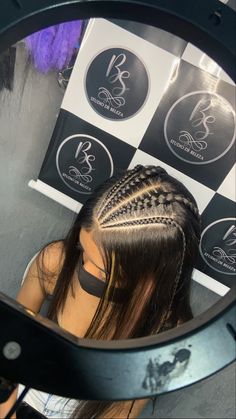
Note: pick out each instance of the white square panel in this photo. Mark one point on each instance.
(209, 282)
(228, 186)
(198, 58)
(101, 36)
(201, 193)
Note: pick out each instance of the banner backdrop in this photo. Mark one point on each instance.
(139, 95)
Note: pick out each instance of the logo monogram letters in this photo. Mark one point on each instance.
(83, 157)
(229, 254)
(114, 74)
(195, 124)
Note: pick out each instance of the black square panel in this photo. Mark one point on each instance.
(193, 128)
(80, 157)
(218, 241)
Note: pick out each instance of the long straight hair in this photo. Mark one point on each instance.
(153, 263)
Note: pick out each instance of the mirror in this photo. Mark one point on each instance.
(74, 109)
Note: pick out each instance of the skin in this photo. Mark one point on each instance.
(79, 308)
(92, 256)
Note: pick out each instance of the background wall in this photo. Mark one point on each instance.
(28, 220)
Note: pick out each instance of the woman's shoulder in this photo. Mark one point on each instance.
(53, 253)
(51, 260)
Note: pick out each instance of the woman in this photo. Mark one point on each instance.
(123, 271)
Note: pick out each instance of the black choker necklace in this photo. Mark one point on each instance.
(95, 286)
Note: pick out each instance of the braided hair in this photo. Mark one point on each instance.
(147, 197)
(126, 196)
(147, 225)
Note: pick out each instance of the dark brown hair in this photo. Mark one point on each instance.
(148, 227)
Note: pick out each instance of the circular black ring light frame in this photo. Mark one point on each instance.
(37, 353)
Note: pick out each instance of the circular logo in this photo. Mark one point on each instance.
(79, 161)
(116, 84)
(200, 127)
(218, 245)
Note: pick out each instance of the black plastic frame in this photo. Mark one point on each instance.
(119, 370)
(208, 24)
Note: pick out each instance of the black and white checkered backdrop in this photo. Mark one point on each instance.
(140, 95)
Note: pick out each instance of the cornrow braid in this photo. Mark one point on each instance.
(140, 222)
(128, 184)
(114, 189)
(148, 200)
(167, 313)
(170, 197)
(128, 207)
(187, 203)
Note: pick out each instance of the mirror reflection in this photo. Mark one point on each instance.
(118, 185)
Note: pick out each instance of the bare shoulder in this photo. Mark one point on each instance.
(41, 276)
(53, 256)
(51, 260)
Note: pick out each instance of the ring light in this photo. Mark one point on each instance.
(37, 353)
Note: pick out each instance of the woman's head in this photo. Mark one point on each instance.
(139, 232)
(142, 229)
